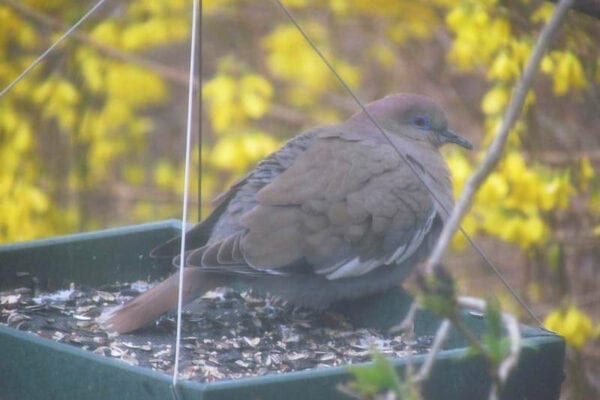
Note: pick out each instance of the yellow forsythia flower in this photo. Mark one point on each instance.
(255, 95)
(461, 169)
(586, 173)
(494, 190)
(231, 100)
(543, 13)
(237, 152)
(573, 324)
(504, 67)
(220, 92)
(164, 174)
(495, 100)
(568, 74)
(547, 64)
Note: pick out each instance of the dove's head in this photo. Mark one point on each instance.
(413, 116)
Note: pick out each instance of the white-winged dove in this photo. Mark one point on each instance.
(335, 214)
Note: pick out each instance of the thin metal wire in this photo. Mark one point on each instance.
(200, 106)
(186, 184)
(52, 47)
(404, 157)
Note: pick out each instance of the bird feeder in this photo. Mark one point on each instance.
(32, 367)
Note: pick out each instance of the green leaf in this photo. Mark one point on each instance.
(380, 377)
(494, 338)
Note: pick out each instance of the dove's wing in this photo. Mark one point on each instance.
(238, 199)
(341, 208)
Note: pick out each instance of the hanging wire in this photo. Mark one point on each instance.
(199, 109)
(404, 157)
(52, 47)
(186, 180)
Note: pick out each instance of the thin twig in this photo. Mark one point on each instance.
(511, 324)
(471, 338)
(440, 337)
(407, 322)
(504, 368)
(496, 147)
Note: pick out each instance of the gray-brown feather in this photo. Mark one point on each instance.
(330, 211)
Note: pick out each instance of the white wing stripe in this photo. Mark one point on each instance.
(355, 267)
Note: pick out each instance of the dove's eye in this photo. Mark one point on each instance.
(422, 122)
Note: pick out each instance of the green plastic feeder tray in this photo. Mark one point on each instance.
(34, 368)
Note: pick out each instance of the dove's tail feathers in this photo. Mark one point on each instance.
(150, 305)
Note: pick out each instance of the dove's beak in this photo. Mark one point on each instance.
(449, 136)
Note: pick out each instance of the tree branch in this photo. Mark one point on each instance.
(589, 7)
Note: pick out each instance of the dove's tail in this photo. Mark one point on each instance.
(150, 305)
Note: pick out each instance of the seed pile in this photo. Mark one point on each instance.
(228, 335)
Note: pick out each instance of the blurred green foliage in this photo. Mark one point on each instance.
(380, 381)
(93, 136)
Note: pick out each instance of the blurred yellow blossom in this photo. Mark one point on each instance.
(521, 50)
(556, 193)
(568, 73)
(383, 54)
(543, 13)
(239, 151)
(231, 100)
(295, 3)
(255, 95)
(412, 19)
(133, 84)
(154, 31)
(586, 173)
(523, 230)
(460, 168)
(509, 203)
(495, 100)
(106, 32)
(92, 68)
(133, 174)
(291, 59)
(547, 65)
(164, 174)
(492, 126)
(470, 225)
(220, 92)
(59, 98)
(504, 67)
(524, 191)
(478, 35)
(534, 231)
(513, 165)
(340, 7)
(21, 139)
(571, 323)
(494, 190)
